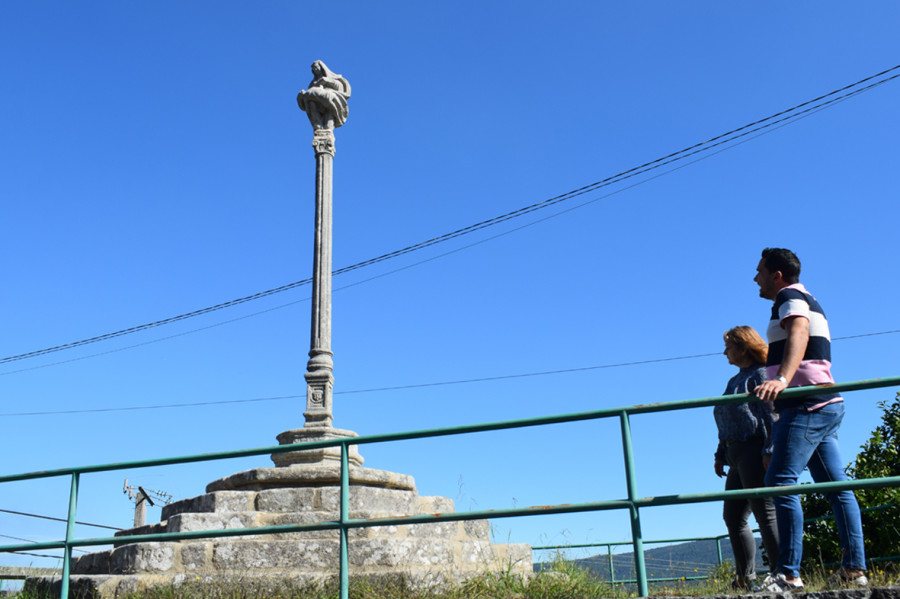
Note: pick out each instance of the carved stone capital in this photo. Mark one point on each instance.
(323, 142)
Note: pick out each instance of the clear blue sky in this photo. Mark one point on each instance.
(154, 162)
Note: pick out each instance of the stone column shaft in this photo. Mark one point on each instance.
(319, 375)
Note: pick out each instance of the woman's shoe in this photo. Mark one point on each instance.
(845, 577)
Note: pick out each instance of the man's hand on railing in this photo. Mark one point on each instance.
(769, 390)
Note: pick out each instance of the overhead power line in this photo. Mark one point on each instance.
(794, 112)
(155, 407)
(54, 519)
(31, 554)
(397, 387)
(420, 262)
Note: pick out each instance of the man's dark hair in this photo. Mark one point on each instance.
(784, 260)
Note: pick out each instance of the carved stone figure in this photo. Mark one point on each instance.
(325, 101)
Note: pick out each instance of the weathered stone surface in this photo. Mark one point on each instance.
(302, 518)
(142, 557)
(513, 556)
(476, 529)
(388, 501)
(323, 454)
(146, 529)
(276, 555)
(399, 554)
(92, 563)
(378, 532)
(223, 501)
(212, 521)
(234, 501)
(196, 557)
(476, 553)
(289, 500)
(372, 500)
(436, 505)
(440, 530)
(842, 594)
(309, 475)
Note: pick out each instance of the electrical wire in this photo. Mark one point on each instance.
(159, 340)
(372, 278)
(155, 407)
(659, 162)
(400, 387)
(37, 554)
(408, 266)
(18, 539)
(526, 374)
(54, 519)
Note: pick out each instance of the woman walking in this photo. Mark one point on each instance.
(745, 446)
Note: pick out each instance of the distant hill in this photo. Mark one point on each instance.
(695, 558)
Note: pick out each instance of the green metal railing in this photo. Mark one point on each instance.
(633, 503)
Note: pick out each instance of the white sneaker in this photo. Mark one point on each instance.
(777, 583)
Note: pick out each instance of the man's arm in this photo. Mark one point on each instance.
(797, 328)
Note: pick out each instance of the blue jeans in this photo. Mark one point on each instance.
(809, 439)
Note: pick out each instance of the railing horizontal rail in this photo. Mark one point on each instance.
(470, 515)
(23, 572)
(866, 510)
(616, 543)
(454, 430)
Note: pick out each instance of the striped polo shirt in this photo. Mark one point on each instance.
(815, 368)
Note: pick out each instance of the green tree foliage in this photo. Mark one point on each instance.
(878, 457)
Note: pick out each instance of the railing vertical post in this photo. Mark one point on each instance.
(612, 572)
(70, 534)
(640, 568)
(719, 550)
(345, 515)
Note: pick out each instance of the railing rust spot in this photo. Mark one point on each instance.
(650, 405)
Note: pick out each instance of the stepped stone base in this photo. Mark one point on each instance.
(426, 555)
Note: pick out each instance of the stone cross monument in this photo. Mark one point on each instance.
(325, 103)
(305, 486)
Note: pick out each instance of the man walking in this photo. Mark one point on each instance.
(805, 434)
